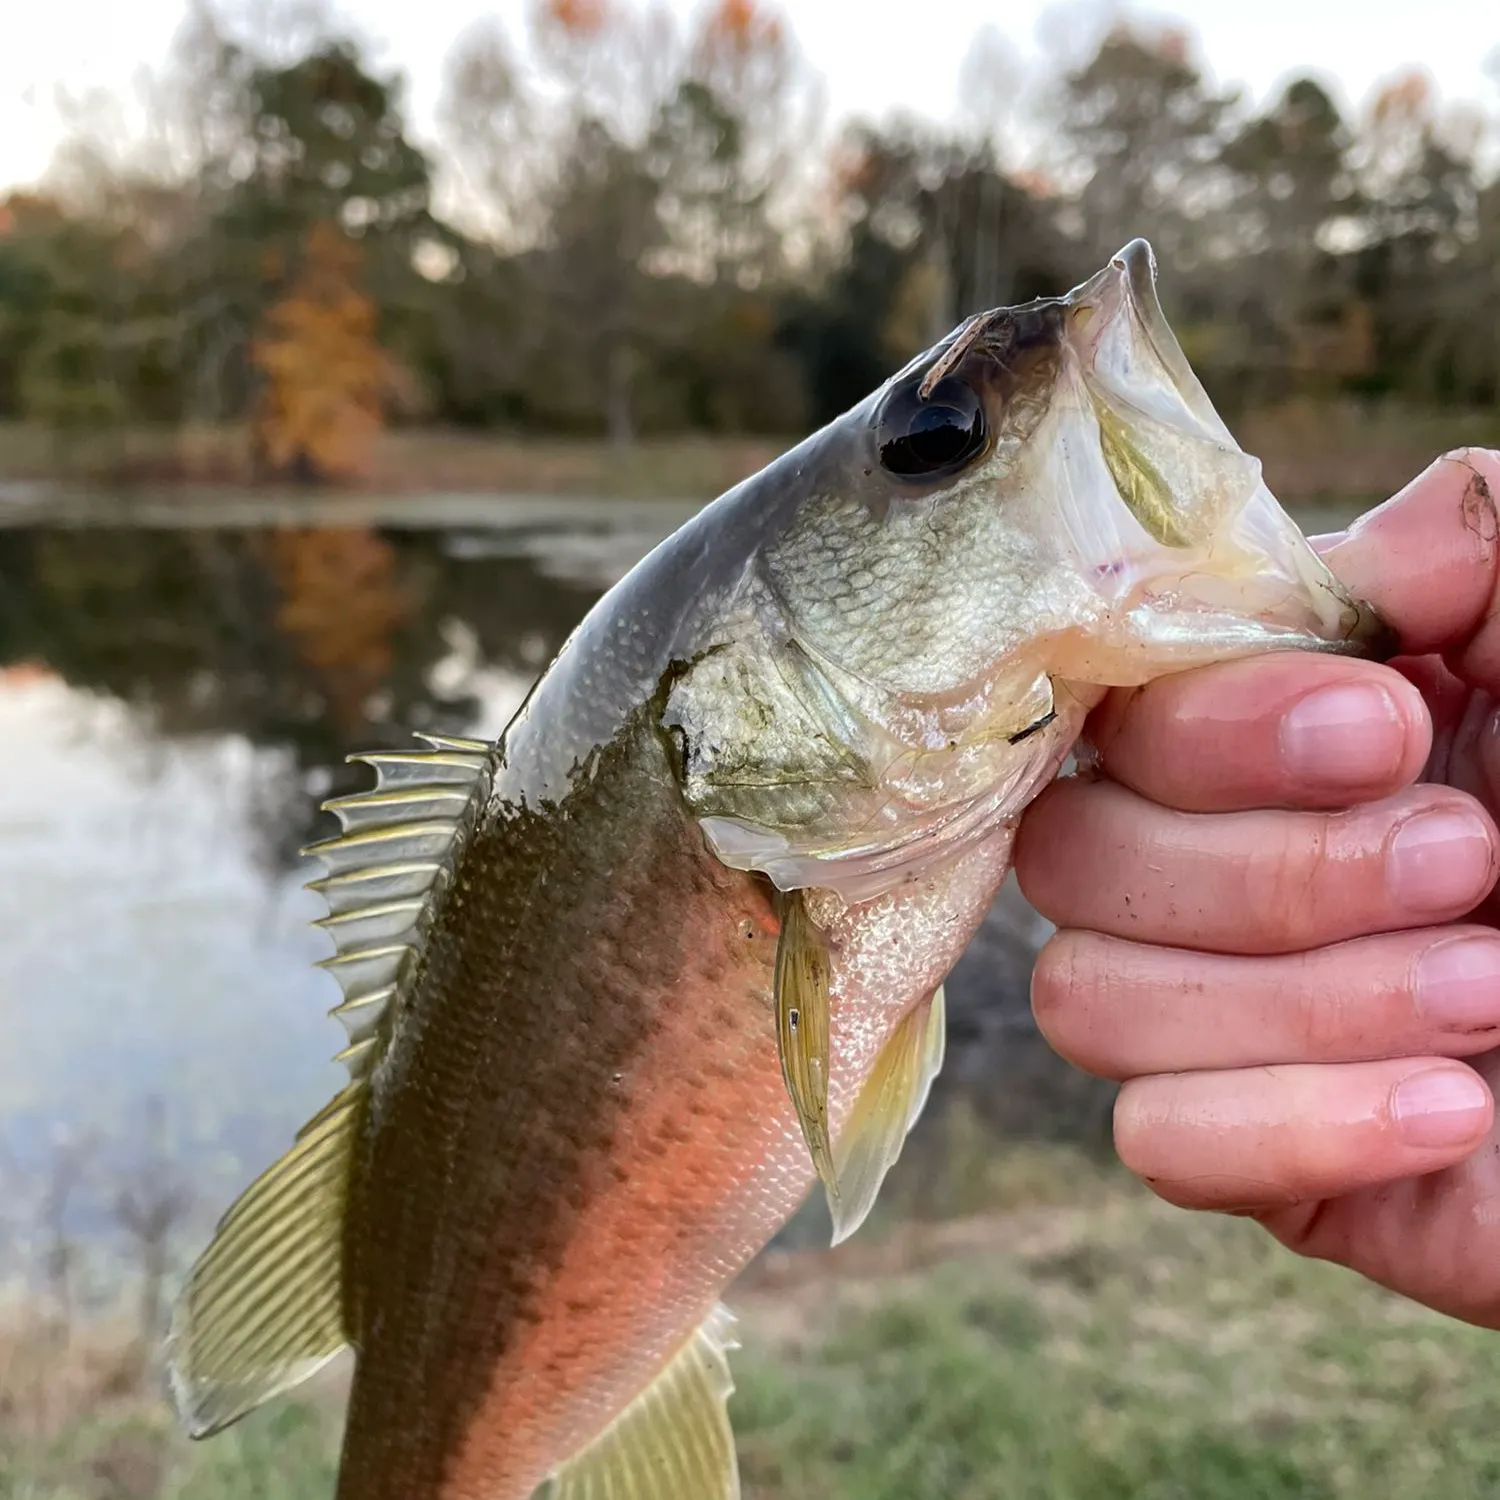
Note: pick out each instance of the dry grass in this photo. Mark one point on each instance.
(1319, 452)
(1331, 459)
(403, 461)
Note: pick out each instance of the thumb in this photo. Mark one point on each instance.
(1427, 560)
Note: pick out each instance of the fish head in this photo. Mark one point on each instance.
(1042, 506)
(1051, 482)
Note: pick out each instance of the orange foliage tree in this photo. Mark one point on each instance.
(743, 51)
(742, 28)
(575, 17)
(325, 374)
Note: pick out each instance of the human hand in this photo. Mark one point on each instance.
(1285, 944)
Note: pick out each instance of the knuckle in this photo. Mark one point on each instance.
(1320, 1019)
(1288, 881)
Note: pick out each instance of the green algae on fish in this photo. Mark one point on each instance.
(621, 987)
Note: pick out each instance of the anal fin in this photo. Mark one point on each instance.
(673, 1442)
(888, 1106)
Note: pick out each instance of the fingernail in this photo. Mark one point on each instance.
(1343, 737)
(1443, 1107)
(1457, 984)
(1439, 862)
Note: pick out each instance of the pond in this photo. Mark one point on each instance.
(181, 680)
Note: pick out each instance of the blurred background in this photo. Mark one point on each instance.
(348, 355)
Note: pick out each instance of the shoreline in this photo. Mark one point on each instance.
(1325, 460)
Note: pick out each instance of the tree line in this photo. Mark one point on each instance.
(631, 227)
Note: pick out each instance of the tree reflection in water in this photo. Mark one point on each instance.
(323, 641)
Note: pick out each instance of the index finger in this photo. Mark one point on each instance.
(1282, 730)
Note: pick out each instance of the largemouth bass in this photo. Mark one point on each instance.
(623, 986)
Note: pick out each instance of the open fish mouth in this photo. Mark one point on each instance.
(1197, 559)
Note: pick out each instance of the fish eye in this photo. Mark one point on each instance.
(921, 439)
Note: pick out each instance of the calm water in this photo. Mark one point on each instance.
(177, 695)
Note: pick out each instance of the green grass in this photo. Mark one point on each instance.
(284, 1454)
(1122, 1351)
(1108, 1348)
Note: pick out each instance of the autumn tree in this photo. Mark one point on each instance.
(634, 182)
(276, 147)
(933, 229)
(1422, 262)
(490, 122)
(1292, 203)
(731, 138)
(325, 374)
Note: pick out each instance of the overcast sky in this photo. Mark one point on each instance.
(876, 55)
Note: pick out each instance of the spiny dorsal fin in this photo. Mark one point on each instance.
(382, 874)
(264, 1306)
(889, 1104)
(673, 1442)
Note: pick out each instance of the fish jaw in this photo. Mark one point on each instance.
(1162, 529)
(1143, 609)
(905, 664)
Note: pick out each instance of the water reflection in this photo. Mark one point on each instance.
(175, 701)
(148, 951)
(176, 698)
(316, 640)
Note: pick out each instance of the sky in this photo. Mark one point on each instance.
(876, 55)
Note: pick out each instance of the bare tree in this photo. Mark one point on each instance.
(488, 122)
(149, 1207)
(71, 1160)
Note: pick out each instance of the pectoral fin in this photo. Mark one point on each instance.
(803, 977)
(888, 1106)
(673, 1442)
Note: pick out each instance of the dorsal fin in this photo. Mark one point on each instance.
(264, 1306)
(673, 1442)
(382, 874)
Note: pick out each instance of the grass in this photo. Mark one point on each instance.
(1096, 1346)
(403, 461)
(1329, 459)
(1116, 1350)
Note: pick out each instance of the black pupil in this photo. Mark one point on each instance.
(921, 438)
